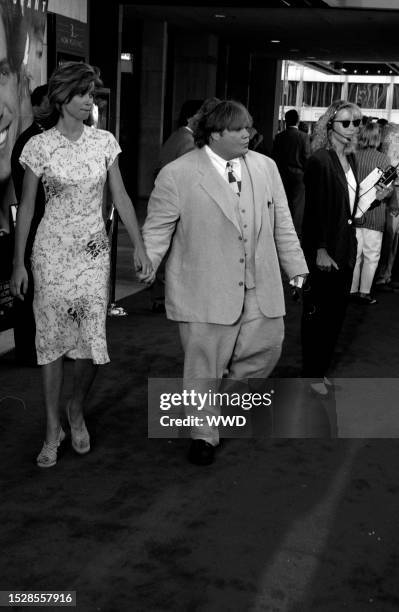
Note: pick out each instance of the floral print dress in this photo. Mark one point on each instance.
(70, 256)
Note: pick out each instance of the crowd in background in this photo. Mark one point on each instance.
(377, 231)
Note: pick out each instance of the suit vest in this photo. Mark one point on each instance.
(245, 212)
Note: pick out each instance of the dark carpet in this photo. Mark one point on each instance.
(276, 525)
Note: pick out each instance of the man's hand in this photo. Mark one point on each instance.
(148, 278)
(141, 261)
(324, 262)
(298, 281)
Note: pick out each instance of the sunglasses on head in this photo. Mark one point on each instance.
(346, 122)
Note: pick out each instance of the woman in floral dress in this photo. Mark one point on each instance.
(70, 256)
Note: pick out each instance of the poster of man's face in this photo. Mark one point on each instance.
(9, 96)
(22, 27)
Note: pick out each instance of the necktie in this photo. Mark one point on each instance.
(233, 182)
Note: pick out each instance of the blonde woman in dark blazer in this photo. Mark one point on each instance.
(329, 236)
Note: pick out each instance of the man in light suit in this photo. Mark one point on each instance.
(230, 228)
(291, 149)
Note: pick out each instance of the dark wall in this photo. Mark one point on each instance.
(104, 33)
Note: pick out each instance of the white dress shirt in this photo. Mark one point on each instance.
(220, 164)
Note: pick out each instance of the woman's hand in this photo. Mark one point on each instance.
(19, 282)
(324, 262)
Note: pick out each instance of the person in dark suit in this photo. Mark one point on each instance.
(181, 140)
(291, 149)
(329, 236)
(24, 322)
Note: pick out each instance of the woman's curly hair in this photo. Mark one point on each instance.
(323, 127)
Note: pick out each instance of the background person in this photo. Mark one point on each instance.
(24, 321)
(291, 149)
(181, 140)
(370, 226)
(70, 257)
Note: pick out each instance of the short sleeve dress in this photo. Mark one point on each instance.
(70, 255)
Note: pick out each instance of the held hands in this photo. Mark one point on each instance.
(143, 266)
(324, 262)
(19, 282)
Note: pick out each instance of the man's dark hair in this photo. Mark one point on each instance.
(38, 94)
(227, 115)
(188, 109)
(291, 117)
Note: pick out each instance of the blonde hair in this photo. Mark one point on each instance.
(324, 126)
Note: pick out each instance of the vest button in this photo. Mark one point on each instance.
(349, 221)
(240, 283)
(239, 237)
(242, 260)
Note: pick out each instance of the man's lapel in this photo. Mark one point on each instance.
(258, 180)
(217, 188)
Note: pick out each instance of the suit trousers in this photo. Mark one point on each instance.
(325, 300)
(249, 348)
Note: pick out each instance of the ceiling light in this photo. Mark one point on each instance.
(367, 71)
(274, 41)
(378, 71)
(294, 50)
(390, 72)
(355, 71)
(219, 16)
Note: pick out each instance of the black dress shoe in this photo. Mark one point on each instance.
(201, 452)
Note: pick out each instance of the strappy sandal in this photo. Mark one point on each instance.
(80, 437)
(48, 455)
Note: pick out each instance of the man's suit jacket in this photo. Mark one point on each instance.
(181, 141)
(291, 148)
(205, 271)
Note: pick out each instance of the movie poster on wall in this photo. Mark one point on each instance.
(22, 29)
